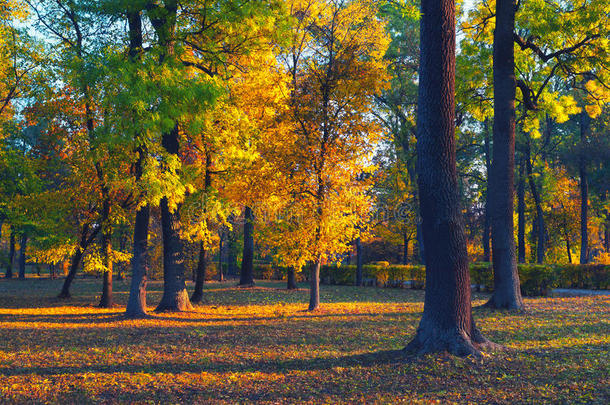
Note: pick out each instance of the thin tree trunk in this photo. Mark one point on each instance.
(231, 252)
(52, 274)
(486, 220)
(540, 224)
(106, 301)
(136, 304)
(405, 248)
(314, 285)
(521, 212)
(585, 127)
(446, 323)
(507, 292)
(11, 254)
(22, 247)
(569, 249)
(200, 275)
(291, 279)
(220, 246)
(358, 262)
(65, 289)
(247, 263)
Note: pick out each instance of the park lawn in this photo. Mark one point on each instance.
(258, 344)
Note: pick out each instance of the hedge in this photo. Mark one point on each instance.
(535, 279)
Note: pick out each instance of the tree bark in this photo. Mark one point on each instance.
(507, 292)
(11, 254)
(569, 249)
(22, 246)
(358, 262)
(175, 296)
(486, 220)
(291, 279)
(521, 212)
(65, 289)
(85, 241)
(540, 223)
(200, 275)
(220, 246)
(314, 285)
(446, 323)
(585, 128)
(106, 301)
(247, 264)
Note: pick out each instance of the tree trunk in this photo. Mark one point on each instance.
(486, 220)
(220, 246)
(106, 300)
(52, 274)
(175, 296)
(291, 279)
(507, 292)
(247, 264)
(446, 323)
(569, 249)
(540, 224)
(585, 127)
(358, 262)
(200, 275)
(314, 285)
(521, 212)
(405, 248)
(11, 254)
(65, 289)
(232, 268)
(22, 246)
(136, 304)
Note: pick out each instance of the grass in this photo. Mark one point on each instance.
(258, 344)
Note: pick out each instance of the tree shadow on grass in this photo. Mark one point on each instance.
(370, 359)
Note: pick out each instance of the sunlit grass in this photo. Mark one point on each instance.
(259, 344)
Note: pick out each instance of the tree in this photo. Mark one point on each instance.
(446, 323)
(335, 66)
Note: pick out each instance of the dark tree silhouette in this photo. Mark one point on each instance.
(447, 323)
(507, 293)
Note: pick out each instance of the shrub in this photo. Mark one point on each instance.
(537, 279)
(482, 274)
(596, 276)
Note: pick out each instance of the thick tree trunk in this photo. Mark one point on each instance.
(486, 220)
(291, 279)
(175, 296)
(22, 247)
(507, 292)
(314, 285)
(521, 213)
(200, 275)
(247, 263)
(136, 304)
(585, 127)
(446, 323)
(11, 254)
(359, 262)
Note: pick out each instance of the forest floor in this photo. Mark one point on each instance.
(246, 345)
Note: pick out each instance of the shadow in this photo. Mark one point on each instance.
(371, 359)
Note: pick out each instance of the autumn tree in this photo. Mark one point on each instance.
(335, 63)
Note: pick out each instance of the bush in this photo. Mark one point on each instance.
(537, 279)
(481, 274)
(590, 276)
